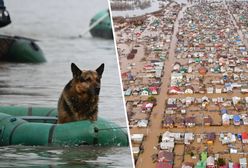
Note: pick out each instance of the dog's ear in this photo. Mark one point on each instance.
(76, 72)
(100, 69)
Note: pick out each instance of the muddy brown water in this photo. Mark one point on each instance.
(154, 130)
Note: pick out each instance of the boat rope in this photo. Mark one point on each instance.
(51, 132)
(95, 24)
(97, 129)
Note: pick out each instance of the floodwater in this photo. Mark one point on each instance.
(153, 131)
(57, 25)
(138, 12)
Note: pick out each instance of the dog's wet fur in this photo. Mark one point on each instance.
(79, 99)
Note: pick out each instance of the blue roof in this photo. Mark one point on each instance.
(223, 111)
(236, 118)
(228, 84)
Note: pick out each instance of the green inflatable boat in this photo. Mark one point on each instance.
(20, 49)
(101, 25)
(37, 126)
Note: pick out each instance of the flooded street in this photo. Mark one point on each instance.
(155, 129)
(57, 25)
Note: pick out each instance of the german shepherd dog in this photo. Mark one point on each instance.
(79, 99)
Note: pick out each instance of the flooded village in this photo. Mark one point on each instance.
(184, 70)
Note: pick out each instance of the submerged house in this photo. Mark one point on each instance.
(190, 121)
(243, 162)
(189, 90)
(142, 123)
(236, 120)
(164, 165)
(210, 90)
(174, 90)
(218, 90)
(176, 79)
(208, 121)
(176, 66)
(244, 137)
(168, 122)
(128, 92)
(167, 145)
(211, 138)
(189, 101)
(233, 165)
(179, 122)
(136, 91)
(164, 156)
(244, 89)
(245, 120)
(188, 138)
(225, 119)
(154, 90)
(188, 165)
(137, 138)
(210, 162)
(147, 106)
(145, 92)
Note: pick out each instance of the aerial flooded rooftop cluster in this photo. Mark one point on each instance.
(185, 77)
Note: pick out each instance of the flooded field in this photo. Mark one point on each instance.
(154, 6)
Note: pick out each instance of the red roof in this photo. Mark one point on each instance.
(148, 66)
(164, 165)
(210, 166)
(202, 70)
(225, 166)
(124, 74)
(153, 88)
(245, 59)
(244, 135)
(236, 165)
(218, 45)
(166, 156)
(175, 88)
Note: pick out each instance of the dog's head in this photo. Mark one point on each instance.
(87, 82)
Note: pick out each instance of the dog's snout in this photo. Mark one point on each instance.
(97, 90)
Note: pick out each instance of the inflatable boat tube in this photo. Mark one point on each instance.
(14, 130)
(20, 49)
(104, 28)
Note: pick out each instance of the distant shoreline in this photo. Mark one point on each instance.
(155, 6)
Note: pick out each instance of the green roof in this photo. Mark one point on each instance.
(204, 156)
(197, 60)
(200, 164)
